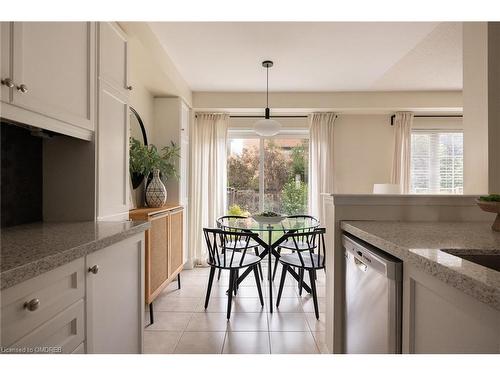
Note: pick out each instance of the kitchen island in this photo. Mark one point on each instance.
(451, 302)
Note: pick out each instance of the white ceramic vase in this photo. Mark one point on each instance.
(156, 193)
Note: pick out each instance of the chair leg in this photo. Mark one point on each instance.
(276, 263)
(179, 280)
(218, 276)
(235, 281)
(259, 265)
(210, 281)
(301, 275)
(257, 281)
(282, 283)
(313, 290)
(151, 314)
(230, 293)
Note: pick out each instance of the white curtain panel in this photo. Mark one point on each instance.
(207, 190)
(320, 160)
(401, 161)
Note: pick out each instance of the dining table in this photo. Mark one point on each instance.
(270, 238)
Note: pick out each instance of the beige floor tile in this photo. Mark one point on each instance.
(207, 322)
(288, 322)
(246, 343)
(288, 291)
(239, 305)
(319, 337)
(248, 322)
(200, 343)
(249, 292)
(185, 292)
(308, 304)
(288, 305)
(160, 342)
(179, 304)
(293, 343)
(314, 324)
(170, 321)
(194, 281)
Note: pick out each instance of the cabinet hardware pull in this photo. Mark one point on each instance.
(94, 269)
(32, 305)
(7, 82)
(22, 88)
(129, 88)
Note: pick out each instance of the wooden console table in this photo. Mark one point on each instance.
(163, 249)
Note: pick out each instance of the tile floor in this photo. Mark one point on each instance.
(182, 325)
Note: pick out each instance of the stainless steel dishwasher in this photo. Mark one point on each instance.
(373, 287)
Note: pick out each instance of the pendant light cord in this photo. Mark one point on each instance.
(267, 86)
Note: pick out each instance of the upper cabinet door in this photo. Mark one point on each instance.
(5, 52)
(113, 56)
(54, 70)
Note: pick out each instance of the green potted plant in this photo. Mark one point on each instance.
(147, 162)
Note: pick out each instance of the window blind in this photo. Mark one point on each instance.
(436, 162)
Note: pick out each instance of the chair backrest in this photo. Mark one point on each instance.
(220, 220)
(301, 230)
(309, 245)
(222, 246)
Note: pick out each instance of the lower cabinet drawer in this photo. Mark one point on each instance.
(80, 349)
(61, 334)
(26, 306)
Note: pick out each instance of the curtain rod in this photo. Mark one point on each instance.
(262, 116)
(430, 116)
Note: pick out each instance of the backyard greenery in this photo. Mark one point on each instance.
(285, 178)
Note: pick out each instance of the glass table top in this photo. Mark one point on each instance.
(284, 225)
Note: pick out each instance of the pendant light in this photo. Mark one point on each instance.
(267, 127)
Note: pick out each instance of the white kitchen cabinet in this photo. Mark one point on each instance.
(46, 311)
(112, 154)
(115, 298)
(52, 68)
(5, 72)
(172, 118)
(113, 56)
(438, 318)
(112, 134)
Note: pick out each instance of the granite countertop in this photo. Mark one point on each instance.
(32, 249)
(421, 243)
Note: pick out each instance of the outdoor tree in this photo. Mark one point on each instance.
(242, 170)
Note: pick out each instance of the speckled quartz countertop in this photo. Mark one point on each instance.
(32, 249)
(421, 243)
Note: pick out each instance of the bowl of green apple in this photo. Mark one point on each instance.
(268, 217)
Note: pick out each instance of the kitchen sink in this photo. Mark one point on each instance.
(487, 260)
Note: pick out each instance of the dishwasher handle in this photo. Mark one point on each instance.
(363, 267)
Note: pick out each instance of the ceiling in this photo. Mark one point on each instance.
(315, 56)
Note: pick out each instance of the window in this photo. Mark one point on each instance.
(267, 174)
(437, 162)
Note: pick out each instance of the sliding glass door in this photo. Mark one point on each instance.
(268, 174)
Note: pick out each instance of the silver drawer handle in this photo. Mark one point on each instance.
(94, 269)
(22, 88)
(7, 82)
(32, 305)
(363, 267)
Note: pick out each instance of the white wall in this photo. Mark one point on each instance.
(475, 96)
(362, 152)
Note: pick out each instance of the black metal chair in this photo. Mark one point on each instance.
(238, 246)
(290, 246)
(221, 256)
(306, 258)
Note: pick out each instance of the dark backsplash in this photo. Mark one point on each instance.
(22, 176)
